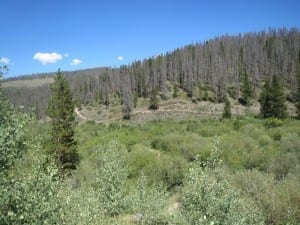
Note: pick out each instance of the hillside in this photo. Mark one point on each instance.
(205, 71)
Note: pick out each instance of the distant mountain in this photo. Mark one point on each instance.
(206, 71)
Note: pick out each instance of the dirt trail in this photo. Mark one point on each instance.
(90, 119)
(79, 114)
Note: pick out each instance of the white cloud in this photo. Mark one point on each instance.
(120, 58)
(76, 62)
(66, 55)
(4, 60)
(45, 58)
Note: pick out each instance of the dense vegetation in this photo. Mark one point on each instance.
(234, 65)
(234, 169)
(240, 171)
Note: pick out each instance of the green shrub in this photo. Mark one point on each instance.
(82, 206)
(276, 133)
(237, 124)
(208, 198)
(188, 145)
(111, 172)
(273, 122)
(240, 151)
(140, 159)
(13, 126)
(278, 200)
(290, 143)
(253, 131)
(146, 202)
(211, 128)
(157, 166)
(32, 198)
(288, 157)
(265, 140)
(170, 170)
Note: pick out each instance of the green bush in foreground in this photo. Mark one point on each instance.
(111, 175)
(208, 198)
(32, 198)
(146, 203)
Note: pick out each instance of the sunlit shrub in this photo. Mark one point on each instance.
(209, 199)
(156, 166)
(278, 200)
(288, 157)
(240, 151)
(110, 171)
(273, 122)
(188, 146)
(146, 203)
(32, 198)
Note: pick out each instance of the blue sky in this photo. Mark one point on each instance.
(44, 35)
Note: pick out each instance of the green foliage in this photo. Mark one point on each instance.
(110, 176)
(143, 159)
(205, 93)
(278, 107)
(25, 197)
(187, 145)
(237, 124)
(175, 91)
(248, 148)
(246, 89)
(147, 203)
(135, 99)
(266, 100)
(31, 196)
(272, 100)
(153, 105)
(108, 188)
(12, 133)
(127, 105)
(287, 160)
(227, 109)
(3, 69)
(82, 206)
(156, 166)
(277, 199)
(61, 111)
(208, 198)
(12, 136)
(32, 199)
(273, 122)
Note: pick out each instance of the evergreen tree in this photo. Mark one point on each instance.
(265, 100)
(135, 99)
(279, 109)
(175, 91)
(61, 111)
(153, 100)
(227, 109)
(272, 100)
(127, 105)
(247, 90)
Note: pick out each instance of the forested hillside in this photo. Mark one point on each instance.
(206, 71)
